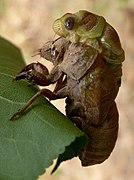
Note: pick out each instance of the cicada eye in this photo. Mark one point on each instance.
(69, 23)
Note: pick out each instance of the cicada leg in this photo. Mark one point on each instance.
(43, 92)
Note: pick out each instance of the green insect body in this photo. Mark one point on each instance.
(93, 30)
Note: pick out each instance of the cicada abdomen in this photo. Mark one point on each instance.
(102, 139)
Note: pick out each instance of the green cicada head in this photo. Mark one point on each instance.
(81, 24)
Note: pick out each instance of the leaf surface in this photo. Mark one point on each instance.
(29, 144)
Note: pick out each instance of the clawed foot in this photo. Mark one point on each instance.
(35, 73)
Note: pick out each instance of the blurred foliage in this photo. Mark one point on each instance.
(123, 3)
(2, 8)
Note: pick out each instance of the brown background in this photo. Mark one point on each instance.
(28, 23)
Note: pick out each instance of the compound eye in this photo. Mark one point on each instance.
(69, 23)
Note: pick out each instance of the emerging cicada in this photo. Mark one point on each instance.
(87, 76)
(93, 30)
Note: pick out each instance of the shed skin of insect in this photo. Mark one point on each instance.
(90, 89)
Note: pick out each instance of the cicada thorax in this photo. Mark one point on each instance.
(112, 50)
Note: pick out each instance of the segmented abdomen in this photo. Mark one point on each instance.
(101, 139)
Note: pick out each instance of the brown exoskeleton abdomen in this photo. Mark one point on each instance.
(101, 139)
(90, 89)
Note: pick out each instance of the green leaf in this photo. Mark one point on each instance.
(30, 144)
